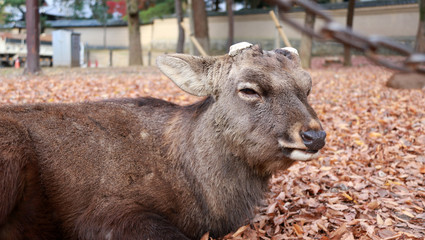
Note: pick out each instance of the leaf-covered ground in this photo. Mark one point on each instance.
(369, 182)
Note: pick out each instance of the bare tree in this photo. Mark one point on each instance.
(200, 20)
(307, 41)
(32, 17)
(229, 9)
(350, 17)
(179, 15)
(135, 47)
(420, 36)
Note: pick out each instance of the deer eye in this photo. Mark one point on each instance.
(249, 94)
(248, 91)
(308, 91)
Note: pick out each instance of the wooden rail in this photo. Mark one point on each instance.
(279, 29)
(195, 41)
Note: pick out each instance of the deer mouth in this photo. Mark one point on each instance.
(298, 154)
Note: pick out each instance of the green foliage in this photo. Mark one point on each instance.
(3, 15)
(7, 17)
(18, 4)
(161, 8)
(77, 6)
(14, 3)
(100, 9)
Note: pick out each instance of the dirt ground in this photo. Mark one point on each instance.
(368, 183)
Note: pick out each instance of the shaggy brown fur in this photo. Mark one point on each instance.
(149, 169)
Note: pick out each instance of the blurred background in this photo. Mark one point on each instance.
(101, 33)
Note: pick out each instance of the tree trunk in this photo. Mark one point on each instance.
(135, 47)
(307, 41)
(217, 5)
(350, 16)
(229, 8)
(179, 14)
(191, 26)
(420, 36)
(33, 37)
(200, 22)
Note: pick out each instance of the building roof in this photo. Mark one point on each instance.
(63, 23)
(84, 23)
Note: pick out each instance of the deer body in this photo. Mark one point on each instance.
(145, 168)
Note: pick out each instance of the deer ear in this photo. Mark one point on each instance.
(190, 73)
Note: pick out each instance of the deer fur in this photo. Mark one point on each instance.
(150, 169)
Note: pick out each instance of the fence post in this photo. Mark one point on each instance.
(110, 58)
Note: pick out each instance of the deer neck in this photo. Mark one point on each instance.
(228, 186)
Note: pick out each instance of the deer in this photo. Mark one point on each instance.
(145, 168)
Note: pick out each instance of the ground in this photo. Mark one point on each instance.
(369, 182)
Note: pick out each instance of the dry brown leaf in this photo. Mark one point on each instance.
(375, 134)
(338, 207)
(348, 236)
(407, 213)
(298, 229)
(422, 169)
(379, 220)
(386, 234)
(337, 234)
(373, 205)
(206, 236)
(388, 222)
(240, 231)
(271, 209)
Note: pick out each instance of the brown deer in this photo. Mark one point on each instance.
(149, 169)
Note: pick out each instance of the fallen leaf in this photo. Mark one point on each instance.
(348, 236)
(422, 169)
(373, 205)
(388, 222)
(337, 234)
(206, 236)
(386, 234)
(409, 214)
(375, 135)
(298, 229)
(379, 220)
(240, 231)
(271, 209)
(338, 207)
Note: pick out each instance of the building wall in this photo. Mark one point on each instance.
(94, 36)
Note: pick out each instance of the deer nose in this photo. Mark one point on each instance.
(313, 140)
